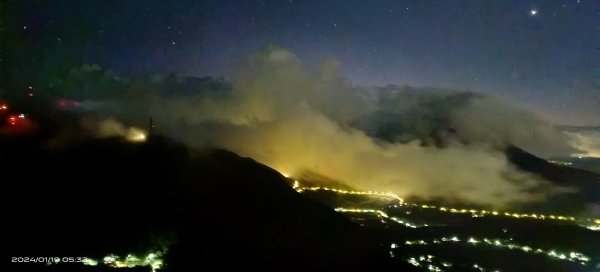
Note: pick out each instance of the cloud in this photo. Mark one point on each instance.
(588, 141)
(113, 128)
(426, 143)
(493, 120)
(435, 116)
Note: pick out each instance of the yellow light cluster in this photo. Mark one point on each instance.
(474, 212)
(153, 260)
(571, 256)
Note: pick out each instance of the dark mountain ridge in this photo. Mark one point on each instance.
(214, 208)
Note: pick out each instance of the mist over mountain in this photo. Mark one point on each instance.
(212, 208)
(234, 135)
(422, 142)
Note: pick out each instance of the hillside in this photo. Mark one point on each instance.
(587, 183)
(211, 208)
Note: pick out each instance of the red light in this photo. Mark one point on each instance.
(3, 107)
(16, 123)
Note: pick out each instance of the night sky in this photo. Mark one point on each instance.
(544, 54)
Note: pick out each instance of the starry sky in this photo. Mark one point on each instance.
(542, 54)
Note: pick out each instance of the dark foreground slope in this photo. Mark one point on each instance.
(222, 211)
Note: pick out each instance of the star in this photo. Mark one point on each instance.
(533, 12)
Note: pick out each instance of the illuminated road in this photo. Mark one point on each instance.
(592, 224)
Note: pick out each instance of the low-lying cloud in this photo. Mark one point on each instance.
(420, 142)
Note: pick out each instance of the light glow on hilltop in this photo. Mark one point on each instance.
(135, 135)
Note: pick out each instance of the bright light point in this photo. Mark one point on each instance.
(533, 12)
